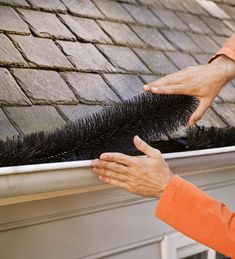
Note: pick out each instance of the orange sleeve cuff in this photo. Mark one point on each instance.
(227, 50)
(194, 213)
(167, 196)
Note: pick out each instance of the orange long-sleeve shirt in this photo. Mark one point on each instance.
(193, 212)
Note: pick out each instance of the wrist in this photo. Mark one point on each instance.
(225, 66)
(167, 179)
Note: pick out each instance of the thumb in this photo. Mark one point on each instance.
(145, 148)
(197, 115)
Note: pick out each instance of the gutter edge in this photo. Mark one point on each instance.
(37, 182)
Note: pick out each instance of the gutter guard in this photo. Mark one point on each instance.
(43, 181)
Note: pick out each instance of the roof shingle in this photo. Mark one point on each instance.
(90, 87)
(156, 61)
(123, 58)
(85, 56)
(44, 86)
(35, 118)
(15, 96)
(143, 15)
(11, 22)
(64, 59)
(84, 8)
(45, 24)
(126, 86)
(113, 10)
(85, 29)
(41, 52)
(74, 112)
(121, 33)
(170, 19)
(181, 40)
(6, 128)
(48, 5)
(152, 37)
(9, 54)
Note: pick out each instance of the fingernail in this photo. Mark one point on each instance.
(137, 138)
(96, 163)
(103, 156)
(93, 162)
(147, 87)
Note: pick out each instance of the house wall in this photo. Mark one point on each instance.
(103, 224)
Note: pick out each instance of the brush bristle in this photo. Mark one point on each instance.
(111, 130)
(211, 137)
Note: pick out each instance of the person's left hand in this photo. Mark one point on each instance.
(145, 176)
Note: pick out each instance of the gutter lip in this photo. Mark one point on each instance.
(201, 152)
(88, 163)
(52, 180)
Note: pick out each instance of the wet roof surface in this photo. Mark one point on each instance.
(63, 59)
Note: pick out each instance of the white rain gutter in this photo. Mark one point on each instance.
(43, 181)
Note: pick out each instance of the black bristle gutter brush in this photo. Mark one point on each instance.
(111, 130)
(211, 137)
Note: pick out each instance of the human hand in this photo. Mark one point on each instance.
(145, 176)
(203, 82)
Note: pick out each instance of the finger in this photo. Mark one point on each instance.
(198, 114)
(173, 89)
(147, 87)
(114, 182)
(118, 158)
(166, 80)
(111, 174)
(113, 166)
(145, 148)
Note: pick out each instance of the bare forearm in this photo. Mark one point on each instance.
(225, 66)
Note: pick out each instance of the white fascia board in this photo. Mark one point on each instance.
(41, 181)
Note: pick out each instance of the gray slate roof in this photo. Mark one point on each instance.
(63, 59)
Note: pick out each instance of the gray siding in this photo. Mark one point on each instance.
(103, 224)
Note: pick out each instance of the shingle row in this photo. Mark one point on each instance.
(80, 55)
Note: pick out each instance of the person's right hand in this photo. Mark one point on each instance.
(202, 81)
